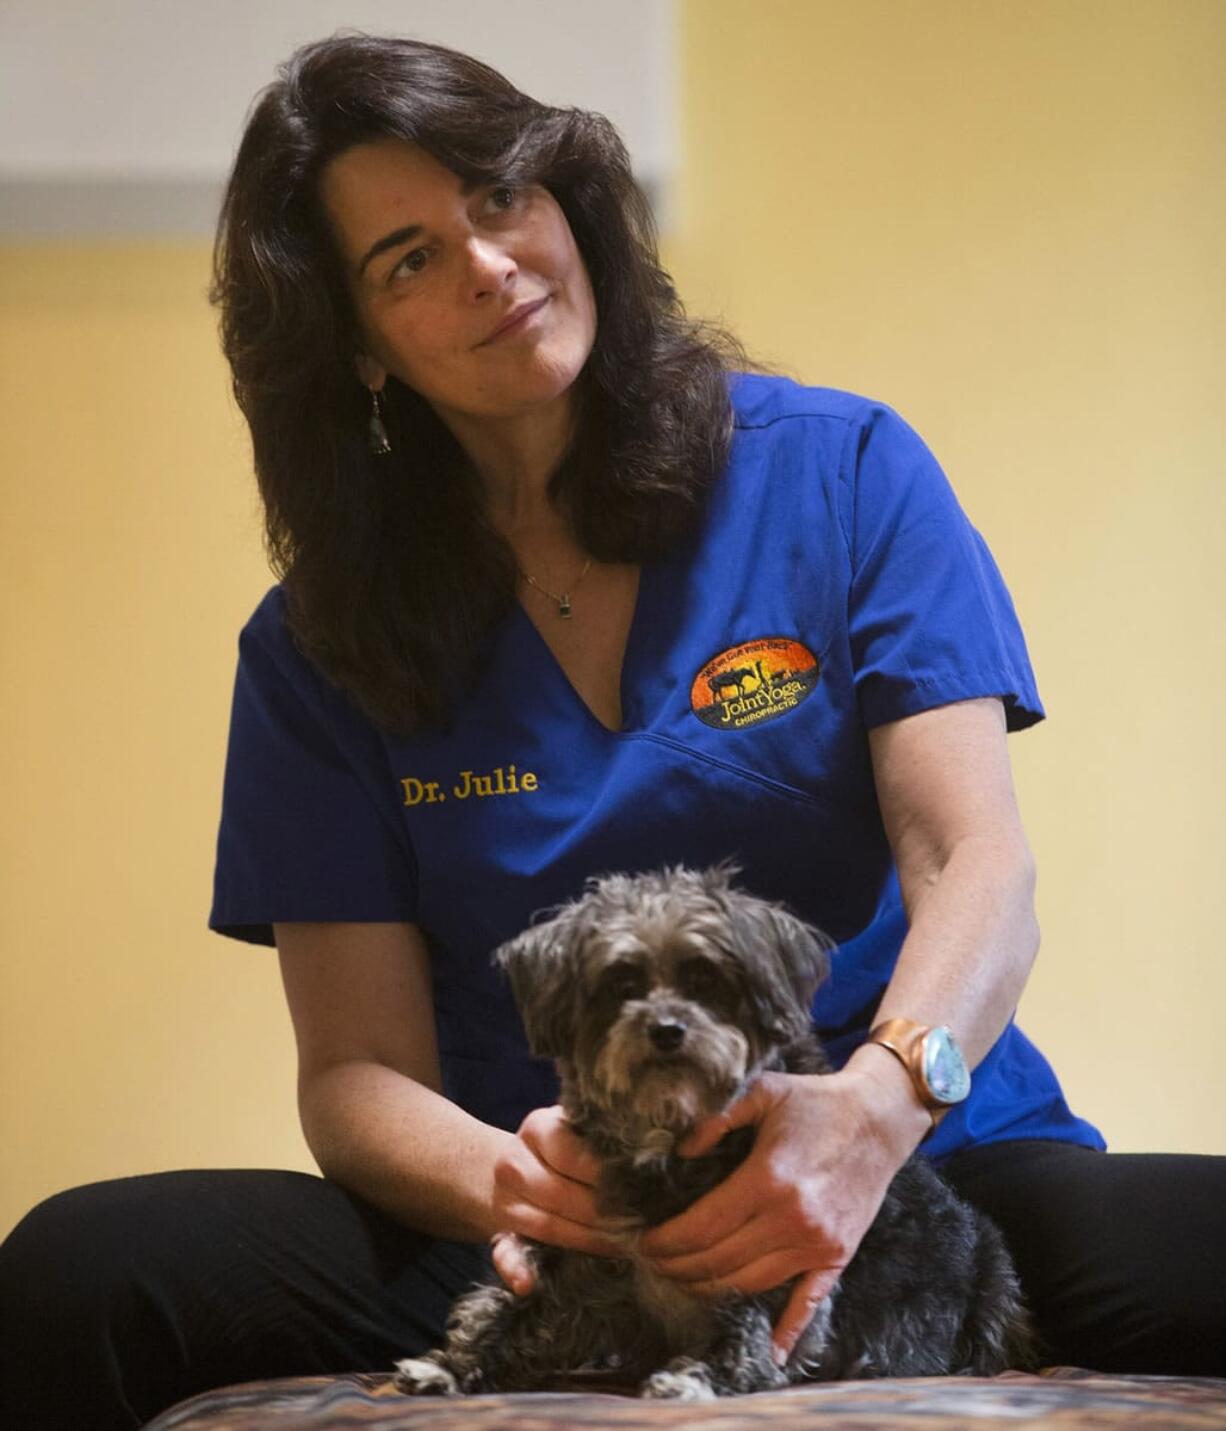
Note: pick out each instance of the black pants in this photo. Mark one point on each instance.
(118, 1299)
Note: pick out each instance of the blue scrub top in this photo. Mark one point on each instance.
(833, 584)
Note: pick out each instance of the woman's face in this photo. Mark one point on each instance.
(475, 297)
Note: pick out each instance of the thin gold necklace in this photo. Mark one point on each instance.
(562, 601)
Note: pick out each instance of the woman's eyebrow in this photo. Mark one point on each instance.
(409, 231)
(392, 240)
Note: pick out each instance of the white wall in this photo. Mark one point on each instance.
(123, 117)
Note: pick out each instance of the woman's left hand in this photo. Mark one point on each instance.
(799, 1204)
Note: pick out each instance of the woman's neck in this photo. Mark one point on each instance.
(515, 459)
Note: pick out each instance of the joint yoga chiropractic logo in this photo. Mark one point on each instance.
(754, 682)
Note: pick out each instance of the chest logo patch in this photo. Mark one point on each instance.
(754, 682)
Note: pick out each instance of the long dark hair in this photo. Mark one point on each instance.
(393, 576)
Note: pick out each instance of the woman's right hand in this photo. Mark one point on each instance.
(544, 1188)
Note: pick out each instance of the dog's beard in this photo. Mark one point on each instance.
(646, 1091)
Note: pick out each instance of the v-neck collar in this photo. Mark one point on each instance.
(627, 685)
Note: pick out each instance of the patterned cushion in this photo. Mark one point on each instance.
(1062, 1398)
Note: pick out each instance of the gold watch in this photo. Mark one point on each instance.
(931, 1057)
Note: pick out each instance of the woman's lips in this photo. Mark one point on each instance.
(514, 321)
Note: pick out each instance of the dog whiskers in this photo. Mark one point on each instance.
(657, 1145)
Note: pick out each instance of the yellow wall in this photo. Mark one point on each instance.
(1003, 218)
(130, 1037)
(1009, 221)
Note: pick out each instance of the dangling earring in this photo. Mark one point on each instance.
(376, 432)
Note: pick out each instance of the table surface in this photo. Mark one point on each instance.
(1060, 1397)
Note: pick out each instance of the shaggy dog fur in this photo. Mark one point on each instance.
(662, 997)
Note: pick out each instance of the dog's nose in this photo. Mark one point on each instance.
(667, 1034)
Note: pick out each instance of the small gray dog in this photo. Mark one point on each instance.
(662, 997)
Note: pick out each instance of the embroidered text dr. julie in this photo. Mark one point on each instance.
(502, 780)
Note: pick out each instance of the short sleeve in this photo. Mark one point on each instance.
(308, 823)
(930, 619)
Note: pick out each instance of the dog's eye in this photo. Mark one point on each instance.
(624, 981)
(700, 979)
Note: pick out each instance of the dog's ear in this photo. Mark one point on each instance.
(785, 959)
(542, 968)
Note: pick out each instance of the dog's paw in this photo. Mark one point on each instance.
(688, 1381)
(418, 1376)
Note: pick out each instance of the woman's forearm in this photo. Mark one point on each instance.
(967, 878)
(972, 940)
(403, 1147)
(971, 944)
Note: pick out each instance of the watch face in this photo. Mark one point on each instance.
(945, 1070)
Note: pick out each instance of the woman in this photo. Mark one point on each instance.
(558, 595)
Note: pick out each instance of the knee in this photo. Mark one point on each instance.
(76, 1250)
(1174, 1324)
(70, 1274)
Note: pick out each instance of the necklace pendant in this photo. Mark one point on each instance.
(564, 606)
